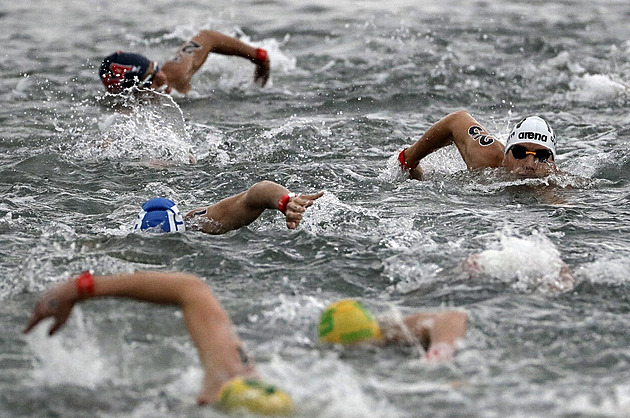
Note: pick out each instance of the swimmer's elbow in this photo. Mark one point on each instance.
(456, 320)
(191, 287)
(459, 114)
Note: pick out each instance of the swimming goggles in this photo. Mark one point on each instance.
(520, 152)
(146, 82)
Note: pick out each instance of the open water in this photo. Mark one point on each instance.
(352, 83)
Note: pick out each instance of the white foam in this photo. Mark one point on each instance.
(607, 270)
(614, 402)
(143, 129)
(528, 262)
(325, 386)
(563, 60)
(299, 311)
(330, 212)
(61, 359)
(597, 88)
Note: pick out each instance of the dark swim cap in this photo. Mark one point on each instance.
(122, 70)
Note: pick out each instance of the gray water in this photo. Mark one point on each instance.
(352, 83)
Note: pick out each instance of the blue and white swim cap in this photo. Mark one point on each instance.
(162, 213)
(535, 130)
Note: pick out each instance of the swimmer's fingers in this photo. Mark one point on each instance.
(262, 72)
(417, 173)
(297, 206)
(50, 306)
(36, 316)
(312, 196)
(59, 321)
(294, 215)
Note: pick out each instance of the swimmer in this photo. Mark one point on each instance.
(123, 70)
(231, 380)
(349, 322)
(230, 213)
(530, 150)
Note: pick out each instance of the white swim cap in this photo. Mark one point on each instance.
(534, 130)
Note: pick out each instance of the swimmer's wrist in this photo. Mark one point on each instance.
(403, 162)
(85, 285)
(284, 201)
(261, 55)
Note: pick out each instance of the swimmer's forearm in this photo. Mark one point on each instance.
(264, 195)
(226, 45)
(155, 287)
(439, 135)
(184, 290)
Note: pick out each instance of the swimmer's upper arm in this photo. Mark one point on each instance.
(478, 147)
(192, 54)
(219, 43)
(199, 47)
(232, 213)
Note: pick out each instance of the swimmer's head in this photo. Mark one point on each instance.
(254, 396)
(534, 130)
(160, 214)
(122, 70)
(347, 322)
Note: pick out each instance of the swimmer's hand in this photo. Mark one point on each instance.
(416, 173)
(297, 206)
(262, 72)
(57, 303)
(440, 352)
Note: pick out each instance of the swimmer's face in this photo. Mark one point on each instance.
(529, 160)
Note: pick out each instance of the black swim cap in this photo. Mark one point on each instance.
(122, 70)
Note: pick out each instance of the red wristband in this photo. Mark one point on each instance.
(261, 55)
(85, 284)
(284, 201)
(403, 163)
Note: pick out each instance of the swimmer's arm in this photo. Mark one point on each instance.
(454, 128)
(566, 280)
(209, 326)
(244, 208)
(218, 43)
(447, 329)
(439, 332)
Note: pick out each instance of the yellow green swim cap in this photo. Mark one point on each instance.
(253, 395)
(346, 322)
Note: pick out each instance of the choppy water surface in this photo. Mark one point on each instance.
(352, 83)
